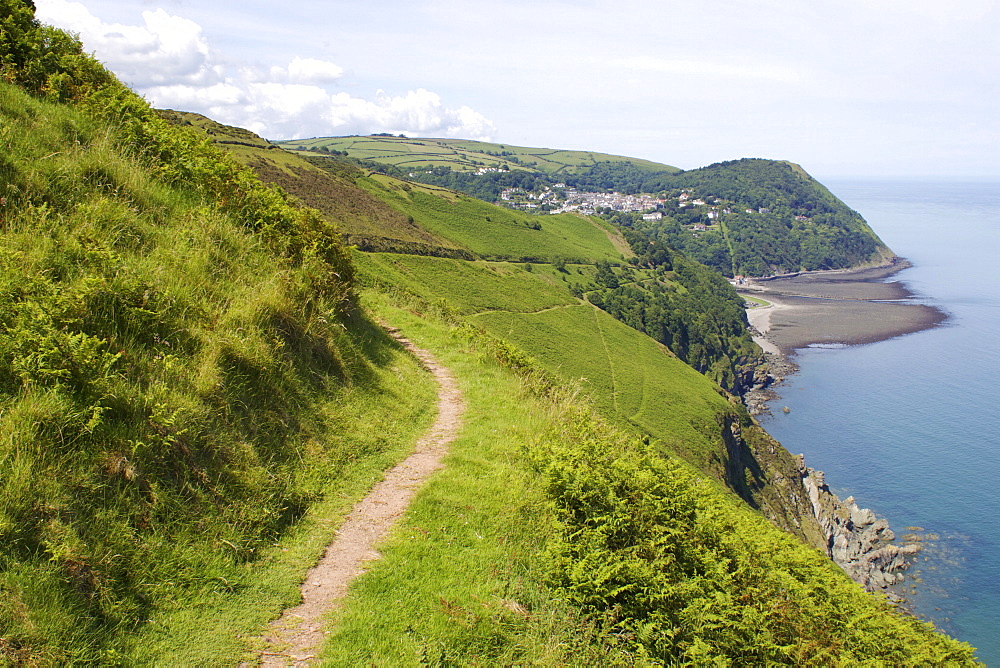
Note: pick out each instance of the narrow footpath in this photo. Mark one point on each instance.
(295, 637)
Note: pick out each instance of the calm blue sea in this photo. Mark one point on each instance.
(911, 426)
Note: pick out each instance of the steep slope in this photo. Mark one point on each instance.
(634, 381)
(543, 309)
(412, 218)
(183, 370)
(686, 307)
(192, 393)
(551, 538)
(365, 221)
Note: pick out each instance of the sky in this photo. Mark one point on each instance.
(845, 88)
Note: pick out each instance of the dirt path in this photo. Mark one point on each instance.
(293, 638)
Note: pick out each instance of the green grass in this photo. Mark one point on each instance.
(182, 377)
(456, 579)
(550, 538)
(464, 155)
(357, 214)
(630, 376)
(755, 300)
(496, 233)
(376, 425)
(192, 395)
(468, 287)
(633, 380)
(373, 208)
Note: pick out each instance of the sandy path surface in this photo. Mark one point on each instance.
(293, 639)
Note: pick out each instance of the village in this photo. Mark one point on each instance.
(561, 199)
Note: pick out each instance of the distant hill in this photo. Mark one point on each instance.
(749, 217)
(757, 217)
(462, 155)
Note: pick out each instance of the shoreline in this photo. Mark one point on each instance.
(837, 308)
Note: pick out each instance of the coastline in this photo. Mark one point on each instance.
(833, 309)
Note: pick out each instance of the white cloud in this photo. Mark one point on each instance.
(169, 60)
(313, 71)
(166, 49)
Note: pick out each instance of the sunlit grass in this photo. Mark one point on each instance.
(182, 384)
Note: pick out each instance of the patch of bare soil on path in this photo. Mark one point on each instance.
(293, 638)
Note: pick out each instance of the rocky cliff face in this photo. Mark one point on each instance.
(856, 540)
(766, 476)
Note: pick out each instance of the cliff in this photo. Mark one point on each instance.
(856, 540)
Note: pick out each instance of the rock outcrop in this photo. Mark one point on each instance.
(773, 369)
(856, 539)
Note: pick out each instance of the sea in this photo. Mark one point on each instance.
(911, 426)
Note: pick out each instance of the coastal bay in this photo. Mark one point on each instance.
(831, 308)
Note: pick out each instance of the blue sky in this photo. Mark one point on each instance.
(843, 87)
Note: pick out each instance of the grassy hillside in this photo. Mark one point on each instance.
(632, 380)
(686, 308)
(412, 155)
(552, 538)
(366, 221)
(183, 371)
(193, 394)
(494, 233)
(377, 212)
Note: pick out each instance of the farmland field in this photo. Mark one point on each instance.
(496, 233)
(462, 155)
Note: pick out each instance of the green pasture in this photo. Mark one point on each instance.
(629, 375)
(465, 155)
(467, 287)
(496, 233)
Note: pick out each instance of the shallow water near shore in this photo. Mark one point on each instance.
(909, 426)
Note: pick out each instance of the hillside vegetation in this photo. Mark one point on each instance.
(773, 218)
(768, 216)
(462, 155)
(553, 538)
(194, 391)
(691, 310)
(183, 374)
